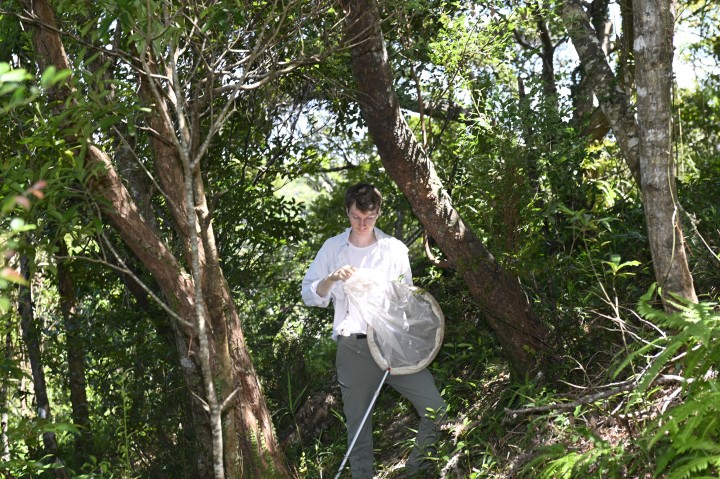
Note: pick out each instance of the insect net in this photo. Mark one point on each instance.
(405, 323)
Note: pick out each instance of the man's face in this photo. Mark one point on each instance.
(362, 222)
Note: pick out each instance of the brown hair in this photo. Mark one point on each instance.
(364, 196)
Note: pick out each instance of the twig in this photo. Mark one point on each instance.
(440, 263)
(452, 464)
(125, 270)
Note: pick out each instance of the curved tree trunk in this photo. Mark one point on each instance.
(501, 298)
(614, 102)
(653, 45)
(250, 446)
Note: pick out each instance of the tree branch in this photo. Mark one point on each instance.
(591, 398)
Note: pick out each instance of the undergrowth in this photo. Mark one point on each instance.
(652, 413)
(661, 420)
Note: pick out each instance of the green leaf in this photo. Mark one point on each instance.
(46, 80)
(4, 304)
(109, 121)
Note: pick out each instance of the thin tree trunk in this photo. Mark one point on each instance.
(76, 353)
(4, 440)
(522, 335)
(653, 46)
(547, 55)
(588, 118)
(613, 100)
(31, 339)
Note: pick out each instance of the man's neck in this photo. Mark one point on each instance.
(362, 241)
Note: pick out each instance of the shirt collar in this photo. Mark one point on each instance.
(378, 234)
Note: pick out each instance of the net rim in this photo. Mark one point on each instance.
(439, 333)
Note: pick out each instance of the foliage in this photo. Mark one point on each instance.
(679, 441)
(21, 435)
(698, 119)
(687, 436)
(558, 213)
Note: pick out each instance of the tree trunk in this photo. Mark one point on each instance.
(588, 118)
(76, 353)
(4, 407)
(251, 448)
(501, 298)
(613, 100)
(653, 46)
(31, 338)
(646, 143)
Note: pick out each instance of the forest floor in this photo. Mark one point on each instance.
(481, 439)
(484, 442)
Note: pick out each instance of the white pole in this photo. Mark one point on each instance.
(362, 423)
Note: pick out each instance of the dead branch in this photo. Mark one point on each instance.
(591, 398)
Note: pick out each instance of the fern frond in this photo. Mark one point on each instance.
(707, 405)
(638, 353)
(562, 468)
(692, 467)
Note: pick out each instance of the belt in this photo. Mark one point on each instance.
(358, 336)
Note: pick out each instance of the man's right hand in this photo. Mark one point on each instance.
(341, 274)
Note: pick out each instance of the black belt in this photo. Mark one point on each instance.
(359, 336)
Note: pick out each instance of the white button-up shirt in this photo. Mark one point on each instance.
(390, 257)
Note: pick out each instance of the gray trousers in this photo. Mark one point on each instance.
(359, 377)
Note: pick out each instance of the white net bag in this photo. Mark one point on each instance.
(405, 323)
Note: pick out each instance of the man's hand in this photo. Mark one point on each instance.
(342, 274)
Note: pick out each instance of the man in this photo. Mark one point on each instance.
(364, 246)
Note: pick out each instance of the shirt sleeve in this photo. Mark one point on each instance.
(319, 269)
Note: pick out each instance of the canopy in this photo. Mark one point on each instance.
(405, 323)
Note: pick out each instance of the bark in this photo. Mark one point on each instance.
(588, 118)
(75, 352)
(31, 338)
(614, 101)
(626, 62)
(645, 142)
(251, 449)
(547, 54)
(4, 407)
(653, 46)
(501, 298)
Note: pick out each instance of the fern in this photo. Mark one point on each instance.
(682, 443)
(692, 467)
(545, 455)
(696, 332)
(687, 436)
(561, 468)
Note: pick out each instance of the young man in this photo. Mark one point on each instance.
(364, 246)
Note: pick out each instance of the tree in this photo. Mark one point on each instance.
(75, 349)
(646, 142)
(654, 26)
(32, 340)
(613, 99)
(191, 83)
(522, 335)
